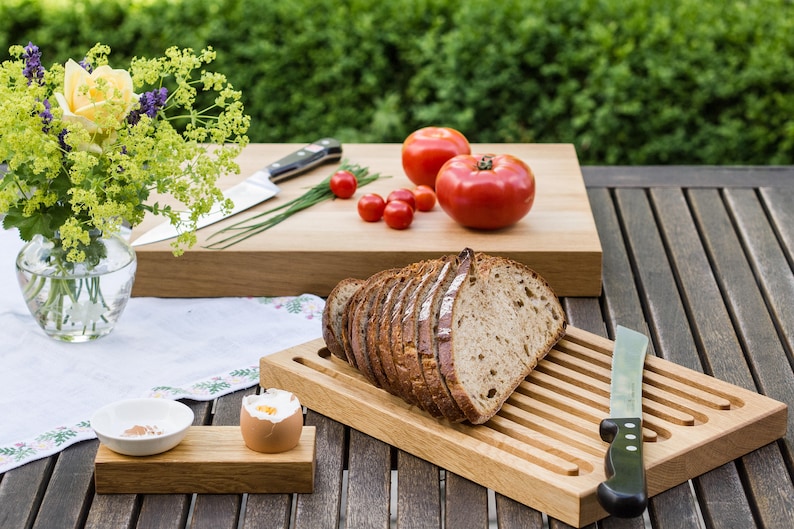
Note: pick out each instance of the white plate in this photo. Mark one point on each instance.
(142, 427)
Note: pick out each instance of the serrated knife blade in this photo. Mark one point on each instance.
(257, 188)
(624, 493)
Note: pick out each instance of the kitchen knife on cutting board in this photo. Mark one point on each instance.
(258, 187)
(624, 493)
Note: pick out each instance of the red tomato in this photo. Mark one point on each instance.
(343, 184)
(406, 195)
(425, 150)
(425, 198)
(370, 207)
(398, 214)
(486, 191)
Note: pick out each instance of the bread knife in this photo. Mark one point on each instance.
(624, 493)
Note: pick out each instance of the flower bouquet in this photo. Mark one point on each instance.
(85, 145)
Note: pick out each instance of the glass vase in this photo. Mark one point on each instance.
(76, 302)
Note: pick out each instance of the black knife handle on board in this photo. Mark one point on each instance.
(305, 158)
(624, 493)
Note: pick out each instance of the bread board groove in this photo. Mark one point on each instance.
(543, 448)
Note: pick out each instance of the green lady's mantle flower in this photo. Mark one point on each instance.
(84, 150)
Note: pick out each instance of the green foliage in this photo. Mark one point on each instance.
(626, 81)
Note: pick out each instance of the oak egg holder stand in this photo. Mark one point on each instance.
(212, 460)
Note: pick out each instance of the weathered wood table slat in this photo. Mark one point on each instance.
(699, 258)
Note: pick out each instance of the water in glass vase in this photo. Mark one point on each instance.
(76, 302)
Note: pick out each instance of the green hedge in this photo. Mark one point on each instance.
(626, 81)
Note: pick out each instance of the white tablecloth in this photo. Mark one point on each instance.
(170, 348)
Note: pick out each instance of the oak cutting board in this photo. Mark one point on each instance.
(543, 448)
(315, 249)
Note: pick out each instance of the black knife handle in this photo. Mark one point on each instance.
(305, 158)
(624, 493)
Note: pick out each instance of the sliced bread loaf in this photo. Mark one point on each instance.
(453, 336)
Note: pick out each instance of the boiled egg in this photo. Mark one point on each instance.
(271, 421)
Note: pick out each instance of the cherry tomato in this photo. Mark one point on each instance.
(425, 198)
(424, 151)
(370, 207)
(485, 191)
(398, 214)
(406, 195)
(343, 184)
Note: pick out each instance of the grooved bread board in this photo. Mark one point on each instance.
(316, 248)
(543, 448)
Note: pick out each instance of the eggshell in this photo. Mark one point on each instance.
(271, 434)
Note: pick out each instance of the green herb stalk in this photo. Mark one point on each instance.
(267, 219)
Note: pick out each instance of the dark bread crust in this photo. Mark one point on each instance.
(332, 315)
(361, 303)
(405, 335)
(345, 326)
(372, 320)
(427, 323)
(401, 385)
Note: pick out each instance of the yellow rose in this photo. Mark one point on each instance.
(84, 101)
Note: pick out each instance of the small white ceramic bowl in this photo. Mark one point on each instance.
(117, 423)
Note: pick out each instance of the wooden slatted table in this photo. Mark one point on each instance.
(700, 258)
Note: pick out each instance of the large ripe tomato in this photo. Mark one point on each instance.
(425, 150)
(485, 191)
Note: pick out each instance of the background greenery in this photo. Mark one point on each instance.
(626, 81)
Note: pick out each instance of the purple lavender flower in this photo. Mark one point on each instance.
(33, 69)
(62, 140)
(149, 104)
(86, 65)
(46, 116)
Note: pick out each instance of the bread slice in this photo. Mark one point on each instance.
(400, 385)
(382, 282)
(345, 327)
(426, 343)
(405, 334)
(332, 314)
(501, 322)
(363, 302)
(358, 310)
(375, 337)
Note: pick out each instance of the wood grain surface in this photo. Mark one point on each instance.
(313, 250)
(733, 221)
(210, 459)
(543, 449)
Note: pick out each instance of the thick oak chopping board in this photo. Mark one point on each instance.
(313, 250)
(543, 448)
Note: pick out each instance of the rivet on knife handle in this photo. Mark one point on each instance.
(624, 492)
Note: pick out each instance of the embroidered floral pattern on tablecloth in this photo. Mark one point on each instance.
(211, 387)
(309, 306)
(52, 442)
